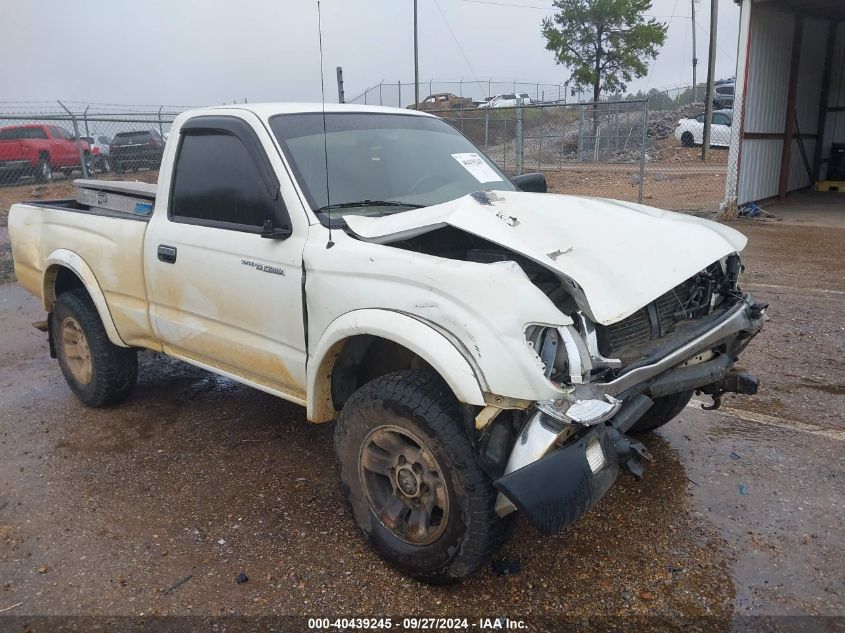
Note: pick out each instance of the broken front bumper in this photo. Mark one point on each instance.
(554, 491)
(552, 486)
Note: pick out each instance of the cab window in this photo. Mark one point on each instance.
(216, 183)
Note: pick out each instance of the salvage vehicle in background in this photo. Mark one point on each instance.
(99, 144)
(484, 347)
(691, 131)
(131, 151)
(39, 150)
(442, 101)
(507, 101)
(723, 97)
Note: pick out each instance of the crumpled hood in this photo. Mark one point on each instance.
(622, 255)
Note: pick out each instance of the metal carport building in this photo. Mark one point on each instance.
(789, 104)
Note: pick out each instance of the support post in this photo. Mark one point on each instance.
(789, 123)
(341, 97)
(642, 149)
(85, 118)
(694, 54)
(518, 142)
(711, 70)
(82, 165)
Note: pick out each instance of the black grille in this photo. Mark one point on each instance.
(690, 300)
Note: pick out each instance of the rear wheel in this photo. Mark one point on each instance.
(96, 370)
(687, 139)
(409, 475)
(43, 171)
(662, 411)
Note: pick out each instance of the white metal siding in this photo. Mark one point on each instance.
(759, 169)
(766, 100)
(768, 78)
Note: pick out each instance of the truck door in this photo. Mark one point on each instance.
(223, 261)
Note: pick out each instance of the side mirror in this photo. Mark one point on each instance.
(535, 183)
(272, 232)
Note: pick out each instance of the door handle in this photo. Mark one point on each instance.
(167, 254)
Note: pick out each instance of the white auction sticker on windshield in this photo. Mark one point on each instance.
(477, 166)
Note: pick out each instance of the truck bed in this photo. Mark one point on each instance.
(107, 243)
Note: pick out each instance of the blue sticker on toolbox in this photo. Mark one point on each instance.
(143, 208)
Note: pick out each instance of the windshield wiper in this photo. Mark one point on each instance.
(370, 203)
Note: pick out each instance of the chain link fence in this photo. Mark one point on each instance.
(624, 150)
(45, 143)
(621, 150)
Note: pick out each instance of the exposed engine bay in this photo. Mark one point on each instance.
(612, 349)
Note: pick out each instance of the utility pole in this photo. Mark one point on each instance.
(341, 98)
(694, 53)
(711, 69)
(416, 60)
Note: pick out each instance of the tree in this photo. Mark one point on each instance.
(605, 43)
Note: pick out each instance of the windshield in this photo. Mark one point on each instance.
(382, 159)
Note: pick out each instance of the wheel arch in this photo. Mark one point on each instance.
(66, 270)
(343, 347)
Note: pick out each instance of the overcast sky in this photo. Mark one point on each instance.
(192, 52)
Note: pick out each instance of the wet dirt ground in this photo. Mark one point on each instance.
(105, 512)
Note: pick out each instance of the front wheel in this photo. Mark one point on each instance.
(687, 139)
(409, 475)
(96, 370)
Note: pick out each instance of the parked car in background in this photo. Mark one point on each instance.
(691, 131)
(130, 151)
(507, 101)
(99, 144)
(443, 101)
(723, 97)
(39, 150)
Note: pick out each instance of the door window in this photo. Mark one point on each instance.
(216, 183)
(721, 119)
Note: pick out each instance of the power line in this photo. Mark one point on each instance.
(654, 64)
(460, 48)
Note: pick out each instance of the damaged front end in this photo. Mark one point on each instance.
(569, 451)
(634, 304)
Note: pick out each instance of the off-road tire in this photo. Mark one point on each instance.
(687, 139)
(114, 369)
(420, 402)
(662, 411)
(43, 172)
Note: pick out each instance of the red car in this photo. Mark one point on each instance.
(38, 151)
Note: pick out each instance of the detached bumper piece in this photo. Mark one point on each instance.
(554, 491)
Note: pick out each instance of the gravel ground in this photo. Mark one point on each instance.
(104, 512)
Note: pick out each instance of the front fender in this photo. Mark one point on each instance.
(464, 381)
(63, 258)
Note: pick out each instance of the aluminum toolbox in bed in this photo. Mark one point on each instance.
(136, 198)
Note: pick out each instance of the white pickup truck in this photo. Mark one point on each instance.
(484, 346)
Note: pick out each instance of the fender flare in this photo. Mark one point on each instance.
(64, 258)
(408, 331)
